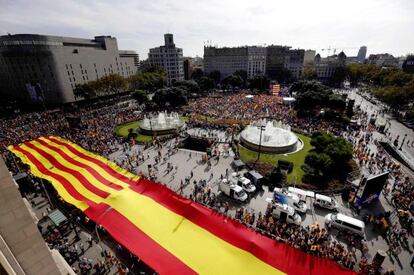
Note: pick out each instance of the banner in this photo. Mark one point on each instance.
(171, 234)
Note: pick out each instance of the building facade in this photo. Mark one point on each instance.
(190, 64)
(326, 67)
(225, 60)
(256, 61)
(168, 57)
(40, 68)
(309, 58)
(280, 58)
(22, 248)
(383, 60)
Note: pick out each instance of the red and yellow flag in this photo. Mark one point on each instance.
(171, 234)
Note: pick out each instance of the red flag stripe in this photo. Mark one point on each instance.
(66, 184)
(272, 252)
(84, 181)
(71, 160)
(137, 242)
(96, 161)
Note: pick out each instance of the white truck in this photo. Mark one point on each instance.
(286, 213)
(232, 190)
(246, 184)
(285, 197)
(243, 182)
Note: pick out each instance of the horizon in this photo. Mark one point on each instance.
(382, 26)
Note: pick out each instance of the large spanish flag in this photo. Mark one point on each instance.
(171, 234)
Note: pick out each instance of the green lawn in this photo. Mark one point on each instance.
(298, 158)
(122, 130)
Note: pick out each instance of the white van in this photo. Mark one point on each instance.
(232, 190)
(302, 194)
(291, 199)
(346, 223)
(325, 202)
(287, 213)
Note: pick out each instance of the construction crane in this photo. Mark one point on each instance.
(338, 48)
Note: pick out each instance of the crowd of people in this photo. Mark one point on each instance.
(95, 133)
(242, 108)
(94, 129)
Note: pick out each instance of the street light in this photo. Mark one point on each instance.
(262, 127)
(402, 143)
(97, 222)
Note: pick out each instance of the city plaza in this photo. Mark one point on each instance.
(194, 175)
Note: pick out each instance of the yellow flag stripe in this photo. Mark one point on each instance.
(89, 163)
(202, 251)
(72, 179)
(56, 183)
(81, 170)
(104, 160)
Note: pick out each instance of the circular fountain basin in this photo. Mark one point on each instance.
(276, 138)
(161, 124)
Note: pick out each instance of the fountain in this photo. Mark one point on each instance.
(160, 124)
(276, 137)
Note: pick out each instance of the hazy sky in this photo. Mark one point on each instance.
(381, 25)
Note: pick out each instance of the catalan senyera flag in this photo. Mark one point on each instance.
(171, 234)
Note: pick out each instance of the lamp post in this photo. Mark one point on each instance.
(402, 143)
(260, 141)
(96, 225)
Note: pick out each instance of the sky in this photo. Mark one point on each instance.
(381, 25)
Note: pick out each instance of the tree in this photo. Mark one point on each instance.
(312, 95)
(85, 91)
(243, 76)
(173, 97)
(197, 74)
(140, 96)
(205, 83)
(338, 77)
(330, 156)
(309, 74)
(260, 83)
(113, 83)
(282, 75)
(189, 85)
(233, 81)
(216, 76)
(319, 163)
(148, 80)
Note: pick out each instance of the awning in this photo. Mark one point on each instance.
(57, 217)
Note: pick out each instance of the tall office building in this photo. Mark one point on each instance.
(309, 58)
(362, 54)
(168, 57)
(39, 68)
